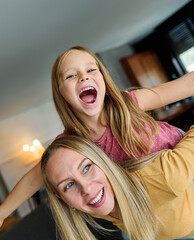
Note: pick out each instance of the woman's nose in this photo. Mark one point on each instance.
(86, 188)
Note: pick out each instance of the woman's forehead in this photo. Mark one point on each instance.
(64, 161)
(64, 157)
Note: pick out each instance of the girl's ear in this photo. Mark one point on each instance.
(57, 195)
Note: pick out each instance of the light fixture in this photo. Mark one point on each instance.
(26, 147)
(36, 142)
(32, 148)
(32, 151)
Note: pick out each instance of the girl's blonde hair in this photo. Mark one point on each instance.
(134, 205)
(125, 118)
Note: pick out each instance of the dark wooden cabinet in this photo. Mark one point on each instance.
(144, 69)
(180, 114)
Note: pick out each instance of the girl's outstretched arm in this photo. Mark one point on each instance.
(164, 94)
(30, 183)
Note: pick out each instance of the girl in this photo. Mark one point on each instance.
(90, 105)
(149, 199)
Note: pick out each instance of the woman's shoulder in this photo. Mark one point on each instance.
(174, 166)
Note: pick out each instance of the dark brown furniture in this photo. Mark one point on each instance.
(145, 70)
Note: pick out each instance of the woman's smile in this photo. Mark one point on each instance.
(80, 183)
(98, 200)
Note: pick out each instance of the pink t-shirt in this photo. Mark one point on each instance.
(167, 138)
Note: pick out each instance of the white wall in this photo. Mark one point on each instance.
(41, 122)
(111, 58)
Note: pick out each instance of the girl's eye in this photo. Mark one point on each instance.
(69, 185)
(86, 169)
(91, 70)
(70, 76)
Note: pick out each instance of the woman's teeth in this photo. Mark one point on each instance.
(98, 198)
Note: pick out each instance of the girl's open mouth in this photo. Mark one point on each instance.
(88, 95)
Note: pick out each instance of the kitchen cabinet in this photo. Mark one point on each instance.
(144, 69)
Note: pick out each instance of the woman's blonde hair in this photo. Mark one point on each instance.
(134, 205)
(125, 118)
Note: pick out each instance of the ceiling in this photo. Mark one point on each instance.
(34, 32)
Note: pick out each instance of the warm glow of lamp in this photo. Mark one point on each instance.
(32, 148)
(36, 142)
(32, 152)
(26, 147)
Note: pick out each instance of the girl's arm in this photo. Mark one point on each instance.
(29, 184)
(164, 94)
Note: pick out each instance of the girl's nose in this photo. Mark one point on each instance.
(83, 79)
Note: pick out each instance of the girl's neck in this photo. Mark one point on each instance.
(97, 133)
(97, 127)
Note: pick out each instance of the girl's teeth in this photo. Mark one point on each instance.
(97, 199)
(85, 89)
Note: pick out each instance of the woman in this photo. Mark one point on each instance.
(151, 199)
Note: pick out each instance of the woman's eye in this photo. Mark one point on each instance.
(86, 169)
(69, 185)
(91, 70)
